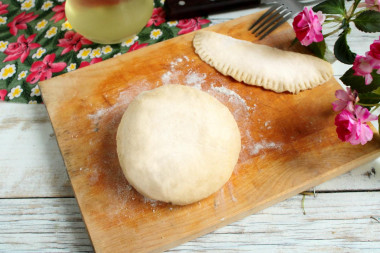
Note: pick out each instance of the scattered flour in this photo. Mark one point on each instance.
(257, 147)
(233, 96)
(267, 124)
(99, 113)
(124, 98)
(152, 202)
(177, 66)
(166, 77)
(195, 79)
(231, 191)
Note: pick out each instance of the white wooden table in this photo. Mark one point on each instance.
(39, 213)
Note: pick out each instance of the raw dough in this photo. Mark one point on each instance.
(261, 65)
(177, 144)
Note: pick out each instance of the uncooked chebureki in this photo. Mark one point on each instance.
(261, 65)
(177, 144)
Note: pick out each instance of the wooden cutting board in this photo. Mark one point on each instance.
(289, 142)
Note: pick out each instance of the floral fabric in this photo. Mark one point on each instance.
(37, 43)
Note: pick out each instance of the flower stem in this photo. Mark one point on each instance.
(357, 13)
(375, 107)
(351, 12)
(332, 32)
(334, 18)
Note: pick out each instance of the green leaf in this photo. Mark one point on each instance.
(342, 51)
(28, 62)
(12, 13)
(377, 91)
(331, 7)
(368, 21)
(39, 5)
(6, 35)
(144, 35)
(21, 99)
(318, 49)
(4, 29)
(9, 80)
(369, 98)
(167, 32)
(15, 3)
(29, 30)
(358, 83)
(27, 89)
(157, 3)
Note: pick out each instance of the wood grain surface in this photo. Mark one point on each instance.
(289, 142)
(332, 223)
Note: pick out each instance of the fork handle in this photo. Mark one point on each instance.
(180, 9)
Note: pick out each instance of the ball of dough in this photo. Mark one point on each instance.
(177, 144)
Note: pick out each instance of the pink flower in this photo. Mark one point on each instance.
(308, 26)
(136, 46)
(59, 12)
(158, 17)
(19, 22)
(189, 25)
(352, 126)
(373, 4)
(21, 48)
(72, 41)
(346, 100)
(42, 70)
(363, 67)
(86, 63)
(3, 94)
(374, 54)
(3, 9)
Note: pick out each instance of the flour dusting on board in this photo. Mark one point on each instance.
(257, 147)
(233, 96)
(195, 79)
(124, 98)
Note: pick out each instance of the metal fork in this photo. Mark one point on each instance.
(279, 12)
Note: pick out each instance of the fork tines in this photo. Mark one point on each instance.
(270, 20)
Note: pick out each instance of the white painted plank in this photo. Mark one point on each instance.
(334, 222)
(42, 225)
(338, 222)
(30, 162)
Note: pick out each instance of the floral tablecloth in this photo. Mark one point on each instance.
(37, 43)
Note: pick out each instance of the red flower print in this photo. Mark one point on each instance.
(19, 22)
(136, 46)
(72, 41)
(158, 17)
(86, 63)
(42, 70)
(3, 94)
(21, 48)
(59, 12)
(3, 9)
(192, 24)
